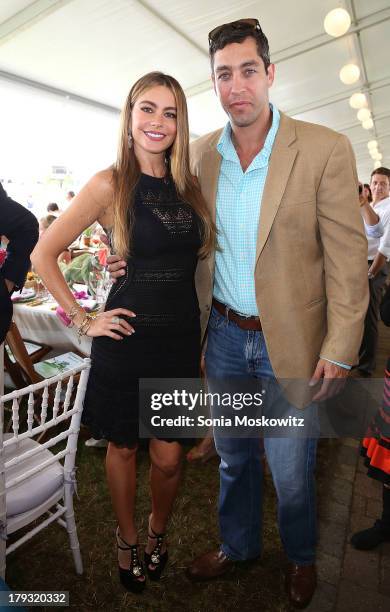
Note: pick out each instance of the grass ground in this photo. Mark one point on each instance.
(46, 563)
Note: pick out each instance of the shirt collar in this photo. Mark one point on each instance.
(385, 202)
(228, 152)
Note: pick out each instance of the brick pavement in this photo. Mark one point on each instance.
(350, 579)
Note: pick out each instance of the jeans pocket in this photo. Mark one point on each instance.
(216, 320)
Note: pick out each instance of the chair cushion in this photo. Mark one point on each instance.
(34, 490)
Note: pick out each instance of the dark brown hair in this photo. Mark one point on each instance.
(229, 34)
(381, 170)
(52, 207)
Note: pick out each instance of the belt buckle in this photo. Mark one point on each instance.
(245, 317)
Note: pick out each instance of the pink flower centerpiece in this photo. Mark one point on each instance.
(61, 314)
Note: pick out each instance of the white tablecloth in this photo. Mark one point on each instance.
(41, 324)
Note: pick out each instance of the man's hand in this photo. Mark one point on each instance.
(333, 380)
(377, 265)
(9, 284)
(116, 267)
(368, 213)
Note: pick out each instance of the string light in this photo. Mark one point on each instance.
(349, 74)
(363, 114)
(337, 22)
(358, 100)
(372, 144)
(368, 124)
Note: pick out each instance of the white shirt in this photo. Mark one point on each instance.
(381, 244)
(373, 231)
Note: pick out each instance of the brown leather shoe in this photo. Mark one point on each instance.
(301, 582)
(209, 565)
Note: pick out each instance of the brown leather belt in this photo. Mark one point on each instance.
(247, 323)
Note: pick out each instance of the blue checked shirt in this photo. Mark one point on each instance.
(239, 197)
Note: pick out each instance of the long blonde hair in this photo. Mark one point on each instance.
(126, 170)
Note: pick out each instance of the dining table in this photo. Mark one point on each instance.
(39, 322)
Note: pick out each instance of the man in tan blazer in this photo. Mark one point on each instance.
(309, 285)
(283, 298)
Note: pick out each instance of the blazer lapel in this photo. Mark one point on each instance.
(279, 169)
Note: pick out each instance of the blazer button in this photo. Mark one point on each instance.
(207, 306)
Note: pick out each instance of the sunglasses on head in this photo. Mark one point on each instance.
(241, 25)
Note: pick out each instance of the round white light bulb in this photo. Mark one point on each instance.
(378, 156)
(337, 22)
(349, 74)
(358, 100)
(372, 144)
(363, 114)
(377, 165)
(374, 153)
(368, 124)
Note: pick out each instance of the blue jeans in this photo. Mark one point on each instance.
(232, 352)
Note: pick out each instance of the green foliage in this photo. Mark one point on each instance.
(89, 231)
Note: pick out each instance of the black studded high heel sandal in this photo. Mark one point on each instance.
(156, 559)
(130, 578)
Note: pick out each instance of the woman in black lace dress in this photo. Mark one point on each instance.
(159, 224)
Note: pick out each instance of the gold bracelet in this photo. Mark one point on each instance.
(74, 311)
(85, 325)
(82, 322)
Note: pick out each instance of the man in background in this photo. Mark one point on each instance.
(53, 209)
(378, 268)
(69, 196)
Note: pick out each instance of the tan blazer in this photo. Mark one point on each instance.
(311, 261)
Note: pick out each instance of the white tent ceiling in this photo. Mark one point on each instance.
(92, 51)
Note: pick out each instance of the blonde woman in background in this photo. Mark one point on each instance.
(158, 222)
(44, 224)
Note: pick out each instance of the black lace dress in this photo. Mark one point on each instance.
(159, 287)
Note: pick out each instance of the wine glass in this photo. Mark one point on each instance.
(103, 287)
